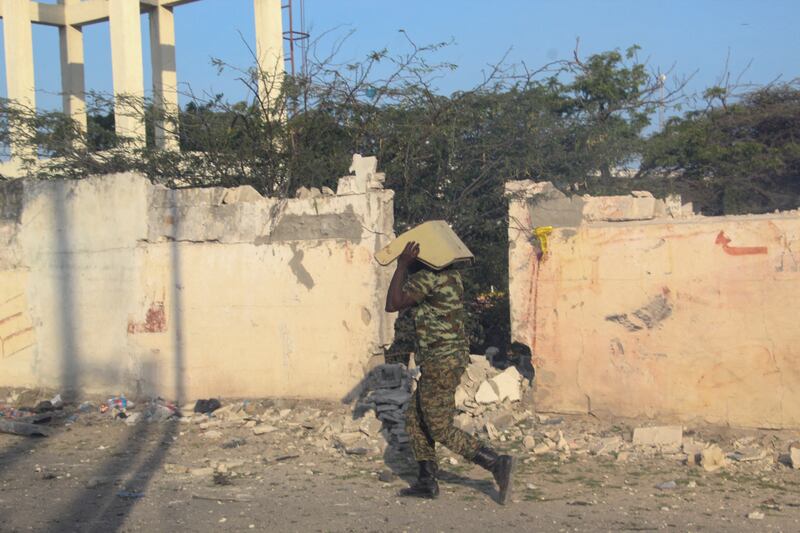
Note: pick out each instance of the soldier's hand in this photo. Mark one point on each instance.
(409, 255)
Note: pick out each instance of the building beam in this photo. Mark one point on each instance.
(18, 45)
(173, 3)
(165, 77)
(87, 12)
(269, 53)
(49, 14)
(73, 85)
(127, 69)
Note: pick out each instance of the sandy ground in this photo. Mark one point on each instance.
(99, 474)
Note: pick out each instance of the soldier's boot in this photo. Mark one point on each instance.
(426, 485)
(501, 467)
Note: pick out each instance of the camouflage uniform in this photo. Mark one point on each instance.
(442, 355)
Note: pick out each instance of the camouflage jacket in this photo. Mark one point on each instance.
(438, 315)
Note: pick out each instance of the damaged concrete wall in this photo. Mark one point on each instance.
(112, 284)
(640, 308)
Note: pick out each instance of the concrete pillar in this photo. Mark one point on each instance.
(18, 44)
(72, 76)
(126, 66)
(269, 52)
(165, 78)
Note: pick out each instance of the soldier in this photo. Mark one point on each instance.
(436, 300)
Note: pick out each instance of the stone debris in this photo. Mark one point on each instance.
(606, 445)
(171, 468)
(712, 458)
(529, 442)
(666, 436)
(205, 471)
(372, 425)
(486, 394)
(543, 447)
(750, 453)
(692, 449)
(489, 400)
(263, 429)
(755, 515)
(794, 458)
(507, 384)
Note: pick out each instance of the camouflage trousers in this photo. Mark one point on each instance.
(429, 417)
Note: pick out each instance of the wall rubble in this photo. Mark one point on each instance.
(640, 308)
(113, 284)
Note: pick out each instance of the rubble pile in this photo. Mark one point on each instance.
(489, 399)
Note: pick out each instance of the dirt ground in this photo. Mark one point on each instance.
(204, 474)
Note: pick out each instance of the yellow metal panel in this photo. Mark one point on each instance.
(439, 246)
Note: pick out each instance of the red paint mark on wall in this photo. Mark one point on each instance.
(155, 321)
(724, 241)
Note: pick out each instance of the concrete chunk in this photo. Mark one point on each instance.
(506, 384)
(712, 458)
(543, 447)
(794, 458)
(749, 454)
(529, 442)
(606, 445)
(658, 436)
(486, 394)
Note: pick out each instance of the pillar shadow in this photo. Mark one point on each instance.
(67, 312)
(133, 462)
(66, 318)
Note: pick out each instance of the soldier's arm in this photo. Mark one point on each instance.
(396, 298)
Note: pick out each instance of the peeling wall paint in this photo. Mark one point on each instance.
(641, 311)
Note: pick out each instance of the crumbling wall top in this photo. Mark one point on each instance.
(550, 203)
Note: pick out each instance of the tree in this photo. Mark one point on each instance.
(735, 157)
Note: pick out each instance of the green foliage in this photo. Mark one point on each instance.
(738, 158)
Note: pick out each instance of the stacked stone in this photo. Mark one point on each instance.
(388, 394)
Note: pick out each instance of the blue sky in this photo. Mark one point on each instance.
(685, 35)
